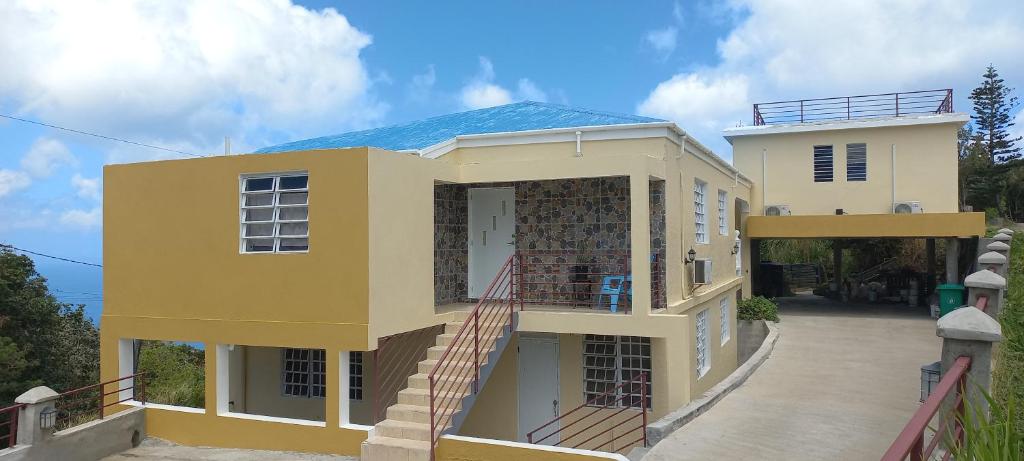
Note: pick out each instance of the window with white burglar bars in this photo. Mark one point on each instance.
(723, 213)
(612, 360)
(699, 188)
(275, 213)
(355, 375)
(303, 372)
(724, 307)
(703, 353)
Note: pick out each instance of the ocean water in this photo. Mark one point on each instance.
(75, 284)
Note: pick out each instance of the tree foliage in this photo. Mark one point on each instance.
(993, 101)
(42, 341)
(991, 172)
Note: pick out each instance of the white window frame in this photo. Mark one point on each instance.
(723, 212)
(275, 208)
(628, 360)
(700, 211)
(725, 315)
(314, 371)
(355, 375)
(701, 341)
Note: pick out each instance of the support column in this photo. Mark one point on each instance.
(640, 240)
(930, 284)
(837, 264)
(969, 332)
(952, 260)
(755, 267)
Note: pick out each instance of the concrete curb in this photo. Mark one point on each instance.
(671, 422)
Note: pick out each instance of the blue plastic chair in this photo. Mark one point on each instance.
(611, 286)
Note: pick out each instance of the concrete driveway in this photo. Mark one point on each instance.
(153, 449)
(840, 384)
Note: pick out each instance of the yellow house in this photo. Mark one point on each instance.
(469, 286)
(881, 166)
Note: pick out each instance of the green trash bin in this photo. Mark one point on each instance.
(951, 297)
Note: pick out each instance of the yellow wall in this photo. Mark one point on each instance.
(174, 271)
(723, 356)
(263, 392)
(926, 169)
(461, 449)
(874, 225)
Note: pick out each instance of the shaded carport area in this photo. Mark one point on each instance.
(842, 381)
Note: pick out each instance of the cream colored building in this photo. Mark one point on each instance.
(448, 296)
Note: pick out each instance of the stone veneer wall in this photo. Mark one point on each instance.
(556, 220)
(657, 207)
(451, 243)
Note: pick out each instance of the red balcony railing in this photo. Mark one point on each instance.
(911, 441)
(457, 372)
(618, 415)
(854, 107)
(9, 425)
(88, 403)
(599, 280)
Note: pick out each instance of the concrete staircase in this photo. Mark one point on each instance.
(405, 433)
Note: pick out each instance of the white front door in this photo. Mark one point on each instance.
(538, 387)
(492, 228)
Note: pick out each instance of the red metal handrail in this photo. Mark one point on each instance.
(10, 426)
(621, 397)
(448, 381)
(982, 303)
(911, 440)
(92, 400)
(853, 107)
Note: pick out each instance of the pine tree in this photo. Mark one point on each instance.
(993, 102)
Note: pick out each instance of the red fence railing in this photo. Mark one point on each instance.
(911, 441)
(9, 425)
(88, 403)
(601, 422)
(457, 372)
(599, 280)
(854, 107)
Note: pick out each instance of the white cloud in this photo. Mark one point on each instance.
(529, 91)
(483, 92)
(663, 41)
(693, 99)
(89, 188)
(12, 181)
(188, 71)
(83, 219)
(45, 156)
(422, 85)
(783, 49)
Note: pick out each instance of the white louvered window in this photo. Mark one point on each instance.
(857, 162)
(703, 353)
(609, 361)
(699, 210)
(822, 163)
(723, 216)
(303, 372)
(724, 307)
(275, 213)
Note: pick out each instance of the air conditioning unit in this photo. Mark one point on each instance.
(777, 210)
(702, 272)
(907, 208)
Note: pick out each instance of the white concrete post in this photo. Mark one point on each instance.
(989, 284)
(1006, 231)
(969, 332)
(999, 247)
(36, 400)
(1001, 237)
(994, 262)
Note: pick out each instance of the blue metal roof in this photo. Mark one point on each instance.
(520, 116)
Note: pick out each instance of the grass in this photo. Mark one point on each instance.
(1008, 377)
(988, 436)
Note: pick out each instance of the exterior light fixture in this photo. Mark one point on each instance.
(691, 256)
(736, 247)
(48, 418)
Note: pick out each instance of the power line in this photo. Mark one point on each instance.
(111, 138)
(4, 245)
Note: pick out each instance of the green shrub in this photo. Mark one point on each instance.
(988, 437)
(1008, 375)
(175, 373)
(758, 308)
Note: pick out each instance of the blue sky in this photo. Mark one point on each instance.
(186, 74)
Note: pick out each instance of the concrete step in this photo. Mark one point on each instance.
(403, 430)
(426, 365)
(412, 396)
(409, 413)
(379, 448)
(420, 381)
(486, 337)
